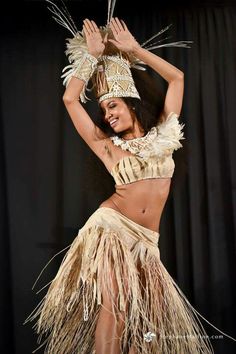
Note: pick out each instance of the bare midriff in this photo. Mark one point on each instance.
(142, 201)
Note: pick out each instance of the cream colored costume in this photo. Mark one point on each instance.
(159, 318)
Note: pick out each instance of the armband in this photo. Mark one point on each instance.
(86, 68)
(82, 64)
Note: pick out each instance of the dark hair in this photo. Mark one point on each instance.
(148, 109)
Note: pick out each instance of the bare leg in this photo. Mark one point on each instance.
(108, 330)
(107, 336)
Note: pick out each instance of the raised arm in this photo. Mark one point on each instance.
(175, 77)
(91, 134)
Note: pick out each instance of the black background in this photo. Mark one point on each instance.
(50, 182)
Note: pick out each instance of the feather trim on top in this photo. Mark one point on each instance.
(160, 140)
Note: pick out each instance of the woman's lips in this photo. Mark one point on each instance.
(113, 122)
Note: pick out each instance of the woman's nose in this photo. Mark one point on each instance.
(107, 115)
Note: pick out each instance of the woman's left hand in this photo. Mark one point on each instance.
(124, 40)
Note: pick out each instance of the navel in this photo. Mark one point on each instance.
(143, 211)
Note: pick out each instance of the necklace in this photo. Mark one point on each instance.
(136, 145)
(161, 140)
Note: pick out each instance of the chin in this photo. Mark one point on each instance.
(116, 129)
(120, 128)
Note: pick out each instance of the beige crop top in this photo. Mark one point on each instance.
(151, 154)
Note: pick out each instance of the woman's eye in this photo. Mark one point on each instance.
(112, 106)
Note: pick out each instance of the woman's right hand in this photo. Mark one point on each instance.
(94, 40)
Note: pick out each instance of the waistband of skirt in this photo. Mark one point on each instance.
(111, 218)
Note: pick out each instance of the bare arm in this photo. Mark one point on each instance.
(175, 77)
(84, 125)
(80, 118)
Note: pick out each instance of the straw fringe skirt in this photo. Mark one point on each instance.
(158, 317)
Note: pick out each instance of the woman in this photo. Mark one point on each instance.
(112, 294)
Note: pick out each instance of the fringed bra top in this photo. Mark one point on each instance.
(151, 155)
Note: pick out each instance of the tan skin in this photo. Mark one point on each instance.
(142, 201)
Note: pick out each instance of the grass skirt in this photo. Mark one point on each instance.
(158, 319)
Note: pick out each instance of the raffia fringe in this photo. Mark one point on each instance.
(68, 313)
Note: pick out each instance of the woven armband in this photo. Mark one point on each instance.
(86, 67)
(82, 66)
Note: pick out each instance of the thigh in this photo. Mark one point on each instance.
(112, 291)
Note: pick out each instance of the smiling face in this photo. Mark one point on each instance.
(118, 115)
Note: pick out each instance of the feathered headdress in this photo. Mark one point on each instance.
(112, 76)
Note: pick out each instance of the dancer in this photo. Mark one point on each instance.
(112, 293)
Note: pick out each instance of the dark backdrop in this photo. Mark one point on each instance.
(50, 182)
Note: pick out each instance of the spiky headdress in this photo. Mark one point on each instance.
(112, 76)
